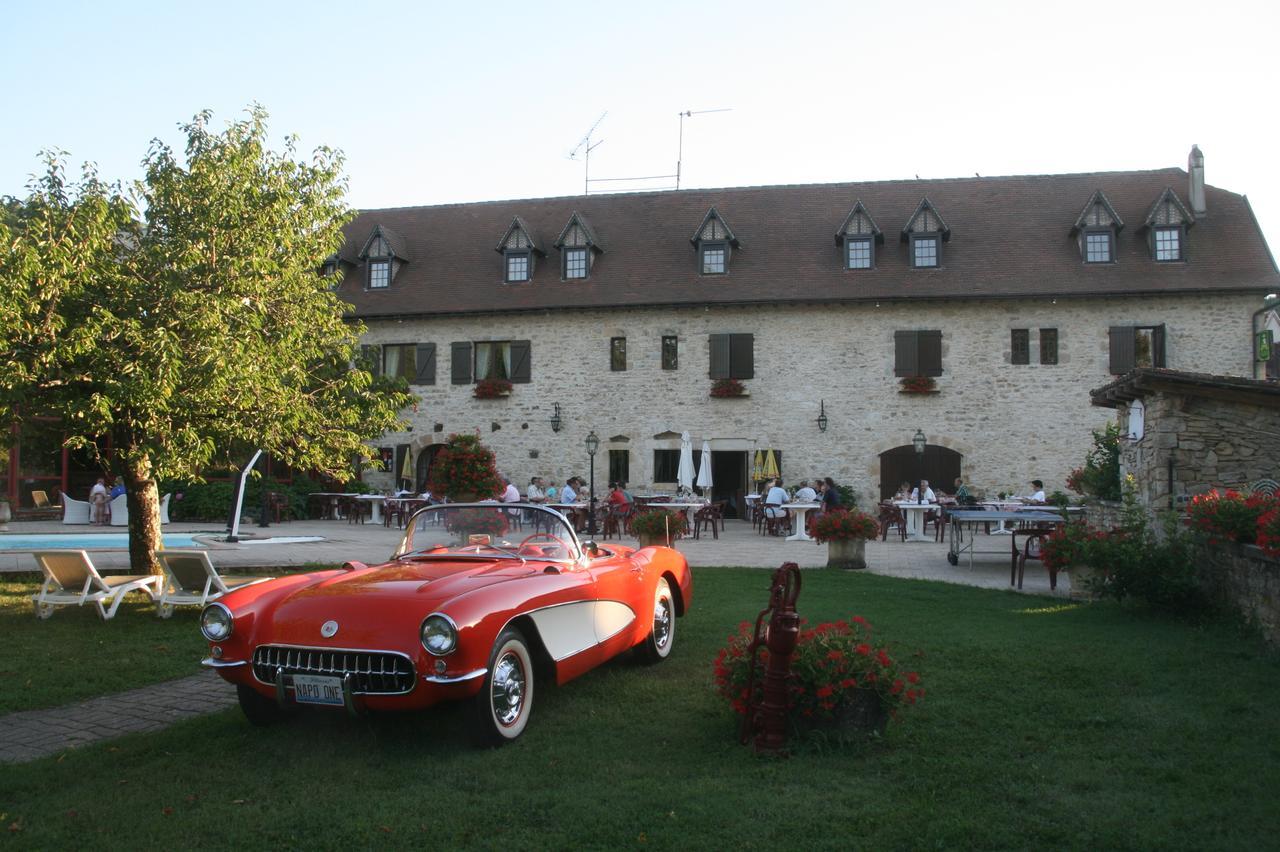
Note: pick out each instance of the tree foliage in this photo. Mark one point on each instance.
(185, 315)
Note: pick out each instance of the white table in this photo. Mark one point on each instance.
(798, 511)
(375, 510)
(915, 518)
(1003, 506)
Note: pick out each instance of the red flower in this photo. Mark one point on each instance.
(897, 687)
(848, 683)
(835, 655)
(864, 649)
(824, 691)
(913, 677)
(883, 658)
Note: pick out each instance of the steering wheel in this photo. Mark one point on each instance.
(567, 549)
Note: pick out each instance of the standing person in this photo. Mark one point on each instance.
(534, 493)
(830, 495)
(99, 500)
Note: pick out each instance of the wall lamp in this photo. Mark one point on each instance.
(557, 422)
(822, 415)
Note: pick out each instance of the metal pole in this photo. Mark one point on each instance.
(591, 518)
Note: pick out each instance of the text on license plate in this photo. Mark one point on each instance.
(311, 689)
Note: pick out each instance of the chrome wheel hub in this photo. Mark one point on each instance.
(508, 689)
(662, 622)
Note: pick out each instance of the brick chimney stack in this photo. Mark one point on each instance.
(1195, 175)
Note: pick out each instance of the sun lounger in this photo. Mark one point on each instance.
(191, 580)
(71, 580)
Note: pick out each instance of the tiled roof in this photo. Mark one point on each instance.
(1143, 381)
(1010, 238)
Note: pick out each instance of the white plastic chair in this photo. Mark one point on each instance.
(191, 580)
(71, 580)
(74, 511)
(120, 510)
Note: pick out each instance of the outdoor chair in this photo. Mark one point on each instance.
(1031, 550)
(710, 516)
(776, 524)
(71, 580)
(191, 580)
(355, 509)
(281, 507)
(41, 500)
(892, 516)
(74, 511)
(618, 521)
(118, 510)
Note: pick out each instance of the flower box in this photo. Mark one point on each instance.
(728, 389)
(492, 389)
(917, 385)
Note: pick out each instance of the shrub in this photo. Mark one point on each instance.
(845, 525)
(1100, 476)
(211, 501)
(1269, 532)
(1229, 515)
(465, 467)
(655, 524)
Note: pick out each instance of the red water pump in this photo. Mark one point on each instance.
(766, 717)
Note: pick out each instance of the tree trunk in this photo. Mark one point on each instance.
(144, 516)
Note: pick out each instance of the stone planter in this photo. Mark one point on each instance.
(1080, 576)
(653, 540)
(858, 716)
(5, 515)
(847, 553)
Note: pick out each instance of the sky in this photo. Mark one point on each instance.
(435, 103)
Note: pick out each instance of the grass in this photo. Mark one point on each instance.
(1046, 725)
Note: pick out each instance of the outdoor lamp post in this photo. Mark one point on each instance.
(919, 442)
(593, 444)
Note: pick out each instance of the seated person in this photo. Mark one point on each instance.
(830, 495)
(118, 488)
(568, 494)
(776, 496)
(929, 496)
(806, 493)
(903, 493)
(963, 495)
(1038, 495)
(617, 499)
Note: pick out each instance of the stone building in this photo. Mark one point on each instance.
(1004, 300)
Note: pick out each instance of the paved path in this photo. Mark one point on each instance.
(33, 734)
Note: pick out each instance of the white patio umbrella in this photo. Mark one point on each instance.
(684, 474)
(704, 469)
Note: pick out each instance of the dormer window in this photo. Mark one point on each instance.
(519, 250)
(578, 249)
(379, 273)
(1166, 225)
(858, 237)
(715, 243)
(383, 255)
(1095, 230)
(925, 232)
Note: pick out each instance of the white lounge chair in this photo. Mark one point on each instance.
(74, 511)
(191, 580)
(120, 510)
(71, 580)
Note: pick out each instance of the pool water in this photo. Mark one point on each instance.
(85, 541)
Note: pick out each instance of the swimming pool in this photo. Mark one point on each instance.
(85, 541)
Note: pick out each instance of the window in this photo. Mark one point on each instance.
(329, 267)
(474, 362)
(1048, 346)
(924, 251)
(666, 465)
(1133, 346)
(1019, 346)
(575, 263)
(618, 354)
(379, 274)
(620, 465)
(713, 256)
(400, 361)
(1168, 243)
(858, 253)
(917, 353)
(670, 352)
(517, 266)
(732, 356)
(1097, 247)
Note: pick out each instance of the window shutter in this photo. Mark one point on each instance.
(905, 361)
(742, 356)
(1121, 349)
(460, 363)
(426, 374)
(372, 355)
(401, 451)
(930, 353)
(1157, 346)
(719, 356)
(520, 367)
(1020, 346)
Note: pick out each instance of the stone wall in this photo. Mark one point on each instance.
(1011, 422)
(1243, 579)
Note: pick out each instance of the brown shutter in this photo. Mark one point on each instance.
(520, 367)
(904, 353)
(1157, 346)
(426, 373)
(460, 363)
(719, 356)
(1020, 345)
(372, 356)
(1121, 349)
(742, 356)
(930, 353)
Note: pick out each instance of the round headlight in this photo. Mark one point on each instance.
(439, 635)
(216, 622)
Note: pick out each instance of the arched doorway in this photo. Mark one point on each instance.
(939, 465)
(422, 472)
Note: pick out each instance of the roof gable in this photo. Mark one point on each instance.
(384, 242)
(859, 223)
(1097, 213)
(1168, 210)
(926, 220)
(578, 233)
(714, 227)
(519, 236)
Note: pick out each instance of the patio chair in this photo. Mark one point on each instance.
(71, 580)
(1031, 549)
(710, 516)
(118, 510)
(74, 511)
(41, 500)
(191, 580)
(892, 516)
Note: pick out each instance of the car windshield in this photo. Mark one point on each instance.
(490, 531)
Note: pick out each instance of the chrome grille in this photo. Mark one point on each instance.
(372, 672)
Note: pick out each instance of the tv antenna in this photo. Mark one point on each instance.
(689, 113)
(585, 147)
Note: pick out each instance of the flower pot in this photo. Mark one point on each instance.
(1081, 575)
(653, 540)
(5, 515)
(858, 715)
(847, 553)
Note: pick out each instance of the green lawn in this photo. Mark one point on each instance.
(1046, 725)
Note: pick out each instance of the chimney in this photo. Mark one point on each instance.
(1195, 175)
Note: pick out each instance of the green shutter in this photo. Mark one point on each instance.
(905, 353)
(520, 368)
(719, 356)
(1157, 346)
(1121, 345)
(426, 366)
(741, 356)
(460, 363)
(930, 353)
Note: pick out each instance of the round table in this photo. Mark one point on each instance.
(915, 518)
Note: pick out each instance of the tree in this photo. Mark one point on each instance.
(187, 315)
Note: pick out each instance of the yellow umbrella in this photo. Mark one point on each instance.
(770, 470)
(406, 470)
(757, 467)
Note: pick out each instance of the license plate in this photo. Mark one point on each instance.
(311, 689)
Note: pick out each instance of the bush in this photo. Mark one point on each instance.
(1229, 515)
(655, 524)
(1269, 532)
(845, 525)
(211, 501)
(1100, 476)
(465, 468)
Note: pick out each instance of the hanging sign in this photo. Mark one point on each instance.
(1264, 345)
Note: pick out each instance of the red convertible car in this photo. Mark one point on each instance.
(479, 602)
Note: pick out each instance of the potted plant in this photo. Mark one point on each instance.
(659, 527)
(5, 514)
(841, 680)
(1269, 532)
(464, 470)
(1068, 548)
(492, 389)
(845, 532)
(727, 388)
(917, 384)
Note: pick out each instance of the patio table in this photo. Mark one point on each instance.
(915, 518)
(375, 510)
(962, 518)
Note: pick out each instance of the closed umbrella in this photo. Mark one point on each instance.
(770, 469)
(704, 468)
(757, 467)
(406, 470)
(684, 474)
